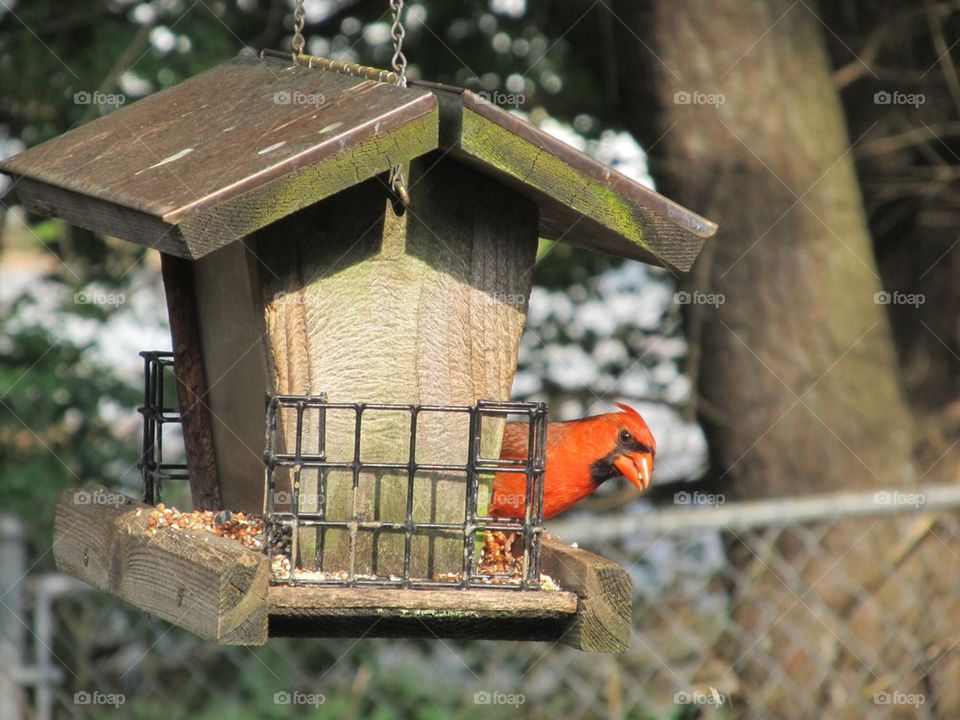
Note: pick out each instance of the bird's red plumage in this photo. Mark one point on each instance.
(572, 447)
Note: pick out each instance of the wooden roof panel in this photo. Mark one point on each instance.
(582, 201)
(204, 163)
(192, 154)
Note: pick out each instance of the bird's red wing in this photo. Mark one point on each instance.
(516, 437)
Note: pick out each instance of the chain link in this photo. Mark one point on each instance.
(399, 60)
(398, 184)
(299, 20)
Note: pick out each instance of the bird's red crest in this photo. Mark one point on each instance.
(638, 421)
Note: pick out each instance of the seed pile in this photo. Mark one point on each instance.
(498, 557)
(498, 562)
(240, 527)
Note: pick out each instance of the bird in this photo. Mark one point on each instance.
(580, 456)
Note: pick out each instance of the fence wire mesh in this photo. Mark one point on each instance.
(846, 616)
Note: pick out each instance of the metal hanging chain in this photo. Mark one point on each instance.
(399, 60)
(398, 184)
(299, 20)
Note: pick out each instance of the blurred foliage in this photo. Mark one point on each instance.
(53, 431)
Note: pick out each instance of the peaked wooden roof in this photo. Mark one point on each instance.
(198, 166)
(222, 154)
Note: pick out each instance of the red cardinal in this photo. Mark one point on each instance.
(581, 455)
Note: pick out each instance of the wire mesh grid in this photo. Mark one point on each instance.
(157, 411)
(470, 527)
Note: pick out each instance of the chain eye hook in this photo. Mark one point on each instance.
(398, 185)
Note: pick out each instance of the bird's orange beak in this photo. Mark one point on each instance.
(637, 468)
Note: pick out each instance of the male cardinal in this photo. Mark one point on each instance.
(581, 455)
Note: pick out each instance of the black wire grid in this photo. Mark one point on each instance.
(471, 528)
(153, 470)
(282, 525)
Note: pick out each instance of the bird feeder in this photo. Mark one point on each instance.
(291, 272)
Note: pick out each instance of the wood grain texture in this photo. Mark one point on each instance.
(191, 380)
(226, 152)
(581, 201)
(232, 336)
(426, 308)
(605, 591)
(376, 612)
(211, 586)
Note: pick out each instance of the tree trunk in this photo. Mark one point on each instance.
(797, 380)
(797, 376)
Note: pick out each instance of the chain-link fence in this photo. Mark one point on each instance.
(847, 606)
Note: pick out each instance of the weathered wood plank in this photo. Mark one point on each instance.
(100, 216)
(377, 612)
(581, 201)
(424, 308)
(231, 334)
(605, 591)
(211, 586)
(296, 601)
(190, 375)
(225, 153)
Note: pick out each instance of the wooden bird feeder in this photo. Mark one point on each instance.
(290, 271)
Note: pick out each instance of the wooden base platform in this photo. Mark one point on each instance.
(219, 590)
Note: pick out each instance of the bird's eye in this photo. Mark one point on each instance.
(626, 437)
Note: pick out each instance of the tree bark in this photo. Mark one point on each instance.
(797, 380)
(798, 388)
